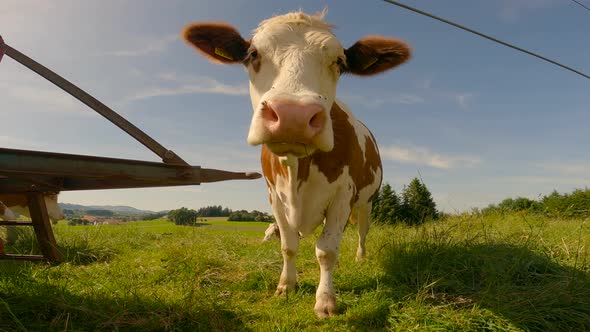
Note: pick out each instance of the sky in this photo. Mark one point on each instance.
(478, 122)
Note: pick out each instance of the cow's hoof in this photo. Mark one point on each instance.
(284, 289)
(360, 256)
(325, 306)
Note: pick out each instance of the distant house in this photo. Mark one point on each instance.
(91, 219)
(94, 220)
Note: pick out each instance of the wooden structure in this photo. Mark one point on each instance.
(34, 173)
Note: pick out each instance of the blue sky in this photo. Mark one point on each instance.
(478, 121)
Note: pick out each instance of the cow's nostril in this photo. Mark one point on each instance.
(317, 121)
(268, 113)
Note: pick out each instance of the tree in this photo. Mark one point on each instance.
(243, 215)
(183, 216)
(417, 203)
(155, 215)
(519, 204)
(213, 211)
(100, 213)
(386, 206)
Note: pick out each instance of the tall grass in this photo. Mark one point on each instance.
(465, 273)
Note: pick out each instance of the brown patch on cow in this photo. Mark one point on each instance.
(347, 152)
(372, 159)
(271, 166)
(303, 168)
(375, 54)
(218, 41)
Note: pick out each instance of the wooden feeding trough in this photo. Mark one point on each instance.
(34, 173)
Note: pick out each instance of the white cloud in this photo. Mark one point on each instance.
(18, 143)
(512, 9)
(425, 84)
(400, 98)
(555, 181)
(182, 85)
(146, 46)
(43, 98)
(424, 156)
(567, 169)
(463, 99)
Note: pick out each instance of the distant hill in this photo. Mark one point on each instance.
(120, 209)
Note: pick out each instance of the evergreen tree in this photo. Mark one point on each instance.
(386, 206)
(417, 203)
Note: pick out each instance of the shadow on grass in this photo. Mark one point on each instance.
(526, 288)
(38, 307)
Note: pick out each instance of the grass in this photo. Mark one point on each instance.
(466, 273)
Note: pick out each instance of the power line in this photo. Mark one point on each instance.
(487, 37)
(581, 4)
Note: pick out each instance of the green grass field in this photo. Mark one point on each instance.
(502, 273)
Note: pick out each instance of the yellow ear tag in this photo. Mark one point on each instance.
(223, 54)
(370, 63)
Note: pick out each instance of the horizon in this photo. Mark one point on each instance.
(476, 121)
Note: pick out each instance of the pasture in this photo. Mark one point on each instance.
(465, 273)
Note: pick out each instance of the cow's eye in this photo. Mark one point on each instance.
(253, 54)
(340, 62)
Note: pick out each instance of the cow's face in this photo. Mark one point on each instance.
(294, 62)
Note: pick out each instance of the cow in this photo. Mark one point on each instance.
(321, 164)
(19, 204)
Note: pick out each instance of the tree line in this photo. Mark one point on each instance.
(254, 215)
(184, 216)
(413, 206)
(567, 205)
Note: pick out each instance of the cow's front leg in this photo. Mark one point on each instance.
(326, 251)
(289, 248)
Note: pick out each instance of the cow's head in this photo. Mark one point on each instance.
(294, 62)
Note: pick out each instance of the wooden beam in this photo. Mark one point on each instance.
(42, 227)
(23, 257)
(22, 171)
(16, 223)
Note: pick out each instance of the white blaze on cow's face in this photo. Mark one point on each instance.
(294, 62)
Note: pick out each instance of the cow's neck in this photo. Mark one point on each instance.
(292, 164)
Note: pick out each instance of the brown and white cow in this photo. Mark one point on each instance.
(18, 204)
(321, 164)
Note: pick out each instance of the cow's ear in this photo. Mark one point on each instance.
(374, 54)
(220, 42)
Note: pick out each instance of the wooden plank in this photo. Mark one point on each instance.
(42, 227)
(16, 223)
(23, 257)
(22, 171)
